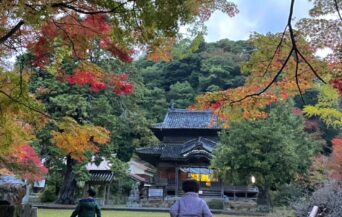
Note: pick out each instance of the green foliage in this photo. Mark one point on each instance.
(122, 116)
(181, 94)
(48, 195)
(274, 149)
(286, 194)
(328, 106)
(211, 66)
(186, 47)
(215, 204)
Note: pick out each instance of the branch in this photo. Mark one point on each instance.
(338, 9)
(275, 52)
(297, 79)
(71, 7)
(270, 84)
(67, 35)
(11, 32)
(310, 66)
(296, 52)
(24, 104)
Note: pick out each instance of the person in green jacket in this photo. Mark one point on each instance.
(87, 207)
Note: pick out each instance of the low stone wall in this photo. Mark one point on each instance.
(18, 211)
(158, 202)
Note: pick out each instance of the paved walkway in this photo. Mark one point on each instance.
(141, 209)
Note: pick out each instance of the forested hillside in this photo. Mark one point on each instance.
(214, 66)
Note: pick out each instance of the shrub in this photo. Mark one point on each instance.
(287, 193)
(215, 204)
(328, 198)
(48, 195)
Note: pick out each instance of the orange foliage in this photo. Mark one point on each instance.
(262, 87)
(76, 140)
(162, 50)
(335, 162)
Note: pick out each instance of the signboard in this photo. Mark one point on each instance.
(155, 192)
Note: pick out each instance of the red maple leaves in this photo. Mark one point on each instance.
(24, 162)
(119, 83)
(80, 36)
(337, 83)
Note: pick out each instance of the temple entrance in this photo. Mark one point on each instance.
(209, 184)
(204, 176)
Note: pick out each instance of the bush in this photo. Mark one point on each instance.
(328, 198)
(126, 188)
(215, 204)
(286, 194)
(48, 195)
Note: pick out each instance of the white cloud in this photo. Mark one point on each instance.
(237, 28)
(255, 16)
(323, 52)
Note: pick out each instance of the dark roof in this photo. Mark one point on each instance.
(185, 119)
(98, 177)
(176, 151)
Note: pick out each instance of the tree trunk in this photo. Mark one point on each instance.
(67, 191)
(264, 199)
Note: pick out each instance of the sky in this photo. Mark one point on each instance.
(260, 16)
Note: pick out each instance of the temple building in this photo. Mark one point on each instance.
(187, 140)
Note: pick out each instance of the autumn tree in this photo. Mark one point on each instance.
(118, 114)
(18, 124)
(63, 33)
(282, 66)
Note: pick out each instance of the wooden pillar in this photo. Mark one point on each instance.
(85, 189)
(108, 193)
(222, 187)
(104, 194)
(176, 181)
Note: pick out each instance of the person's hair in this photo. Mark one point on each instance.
(91, 192)
(190, 186)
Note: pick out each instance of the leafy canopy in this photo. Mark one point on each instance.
(275, 150)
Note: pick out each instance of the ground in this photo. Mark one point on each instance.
(67, 213)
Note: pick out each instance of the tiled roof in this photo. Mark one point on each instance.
(185, 119)
(98, 177)
(176, 151)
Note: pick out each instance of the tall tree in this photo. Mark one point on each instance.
(93, 118)
(63, 33)
(274, 150)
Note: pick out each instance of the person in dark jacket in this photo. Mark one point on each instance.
(190, 205)
(87, 207)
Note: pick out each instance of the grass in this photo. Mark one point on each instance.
(67, 213)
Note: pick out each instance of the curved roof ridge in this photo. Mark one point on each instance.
(210, 140)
